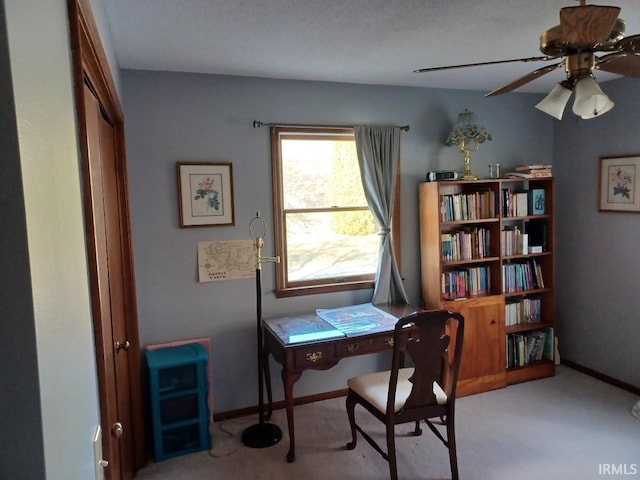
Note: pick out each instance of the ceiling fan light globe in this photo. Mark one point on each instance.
(554, 103)
(590, 100)
(608, 106)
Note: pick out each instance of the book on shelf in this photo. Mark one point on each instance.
(523, 311)
(531, 174)
(521, 204)
(522, 276)
(528, 347)
(469, 282)
(467, 244)
(522, 243)
(536, 201)
(533, 166)
(507, 202)
(472, 206)
(514, 242)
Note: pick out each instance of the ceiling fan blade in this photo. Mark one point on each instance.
(624, 64)
(522, 80)
(587, 26)
(629, 44)
(449, 67)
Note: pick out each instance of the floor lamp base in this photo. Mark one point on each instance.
(261, 435)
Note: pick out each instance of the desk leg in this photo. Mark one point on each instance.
(288, 380)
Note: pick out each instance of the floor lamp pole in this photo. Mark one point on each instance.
(261, 434)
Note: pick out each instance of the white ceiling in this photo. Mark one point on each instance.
(357, 41)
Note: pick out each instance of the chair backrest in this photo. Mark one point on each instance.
(432, 341)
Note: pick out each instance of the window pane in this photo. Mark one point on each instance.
(331, 244)
(321, 173)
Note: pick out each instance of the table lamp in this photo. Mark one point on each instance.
(465, 130)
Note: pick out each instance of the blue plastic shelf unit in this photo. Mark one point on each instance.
(178, 394)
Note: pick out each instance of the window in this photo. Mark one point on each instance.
(326, 236)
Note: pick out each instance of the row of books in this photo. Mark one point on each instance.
(522, 204)
(467, 206)
(536, 170)
(521, 312)
(468, 282)
(514, 242)
(521, 277)
(529, 347)
(466, 244)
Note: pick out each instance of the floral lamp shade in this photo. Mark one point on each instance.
(464, 131)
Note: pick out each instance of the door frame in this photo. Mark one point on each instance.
(90, 61)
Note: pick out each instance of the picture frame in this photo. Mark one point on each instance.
(205, 192)
(620, 184)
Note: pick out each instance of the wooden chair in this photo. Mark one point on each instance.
(432, 340)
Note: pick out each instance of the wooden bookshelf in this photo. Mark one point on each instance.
(475, 259)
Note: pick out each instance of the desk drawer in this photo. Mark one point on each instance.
(314, 356)
(361, 346)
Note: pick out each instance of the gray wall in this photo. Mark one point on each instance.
(20, 399)
(173, 117)
(49, 398)
(598, 260)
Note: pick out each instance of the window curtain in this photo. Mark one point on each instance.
(378, 152)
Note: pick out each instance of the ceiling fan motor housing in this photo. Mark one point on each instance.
(579, 65)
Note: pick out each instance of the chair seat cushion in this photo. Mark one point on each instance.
(374, 387)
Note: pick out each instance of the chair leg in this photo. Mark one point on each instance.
(417, 431)
(391, 452)
(451, 445)
(351, 405)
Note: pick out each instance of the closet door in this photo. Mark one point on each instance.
(109, 294)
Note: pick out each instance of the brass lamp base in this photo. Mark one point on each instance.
(466, 174)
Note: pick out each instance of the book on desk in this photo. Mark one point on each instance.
(301, 329)
(357, 319)
(347, 321)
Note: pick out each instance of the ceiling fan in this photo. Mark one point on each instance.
(583, 32)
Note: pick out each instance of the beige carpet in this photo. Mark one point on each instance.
(567, 427)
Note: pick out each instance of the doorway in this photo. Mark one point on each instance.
(109, 249)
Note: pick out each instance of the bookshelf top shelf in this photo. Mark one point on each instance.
(527, 217)
(474, 222)
(524, 327)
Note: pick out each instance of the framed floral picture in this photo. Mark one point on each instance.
(620, 184)
(205, 191)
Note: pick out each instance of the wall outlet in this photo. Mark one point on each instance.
(99, 462)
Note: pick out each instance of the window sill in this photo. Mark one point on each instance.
(326, 288)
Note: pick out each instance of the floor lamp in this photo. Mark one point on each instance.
(261, 434)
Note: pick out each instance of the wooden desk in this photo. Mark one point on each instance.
(296, 357)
